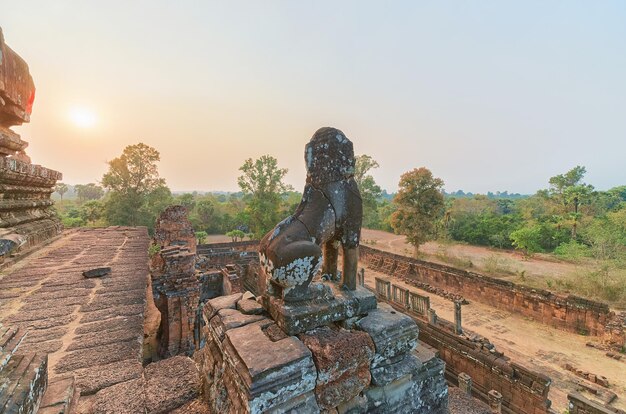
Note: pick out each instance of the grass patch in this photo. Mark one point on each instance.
(453, 260)
(495, 264)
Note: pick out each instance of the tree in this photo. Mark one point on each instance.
(86, 192)
(186, 200)
(370, 191)
(568, 190)
(137, 194)
(236, 235)
(91, 211)
(205, 211)
(419, 204)
(262, 182)
(61, 189)
(201, 236)
(527, 239)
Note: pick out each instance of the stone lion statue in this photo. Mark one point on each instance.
(329, 216)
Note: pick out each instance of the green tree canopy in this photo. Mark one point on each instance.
(262, 182)
(370, 191)
(86, 192)
(136, 192)
(419, 205)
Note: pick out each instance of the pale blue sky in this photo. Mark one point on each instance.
(490, 95)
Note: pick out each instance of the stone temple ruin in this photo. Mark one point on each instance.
(303, 321)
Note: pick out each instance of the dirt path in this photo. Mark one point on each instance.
(532, 345)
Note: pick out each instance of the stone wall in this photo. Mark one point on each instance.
(26, 214)
(571, 313)
(522, 391)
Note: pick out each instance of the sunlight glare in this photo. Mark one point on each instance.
(82, 117)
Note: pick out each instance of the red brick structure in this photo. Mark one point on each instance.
(175, 285)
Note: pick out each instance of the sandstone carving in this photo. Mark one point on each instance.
(329, 216)
(26, 214)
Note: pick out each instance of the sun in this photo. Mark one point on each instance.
(83, 117)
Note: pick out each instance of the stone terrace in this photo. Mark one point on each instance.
(91, 328)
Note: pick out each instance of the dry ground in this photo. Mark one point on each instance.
(540, 271)
(532, 345)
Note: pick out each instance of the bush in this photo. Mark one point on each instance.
(201, 236)
(70, 222)
(572, 250)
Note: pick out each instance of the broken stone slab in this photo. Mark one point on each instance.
(394, 334)
(249, 305)
(97, 272)
(267, 374)
(342, 359)
(227, 319)
(222, 302)
(298, 317)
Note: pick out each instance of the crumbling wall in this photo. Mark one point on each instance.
(175, 285)
(571, 313)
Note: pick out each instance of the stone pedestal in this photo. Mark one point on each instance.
(465, 383)
(250, 365)
(330, 304)
(495, 401)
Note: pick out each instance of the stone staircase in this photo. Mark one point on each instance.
(23, 377)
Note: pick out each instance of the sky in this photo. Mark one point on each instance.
(489, 95)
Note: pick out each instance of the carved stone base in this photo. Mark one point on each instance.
(299, 317)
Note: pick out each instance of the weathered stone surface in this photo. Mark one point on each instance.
(394, 334)
(250, 306)
(123, 398)
(227, 319)
(422, 391)
(175, 285)
(298, 317)
(338, 351)
(385, 374)
(174, 228)
(171, 383)
(342, 359)
(328, 216)
(197, 406)
(17, 90)
(91, 380)
(267, 373)
(222, 302)
(58, 396)
(23, 379)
